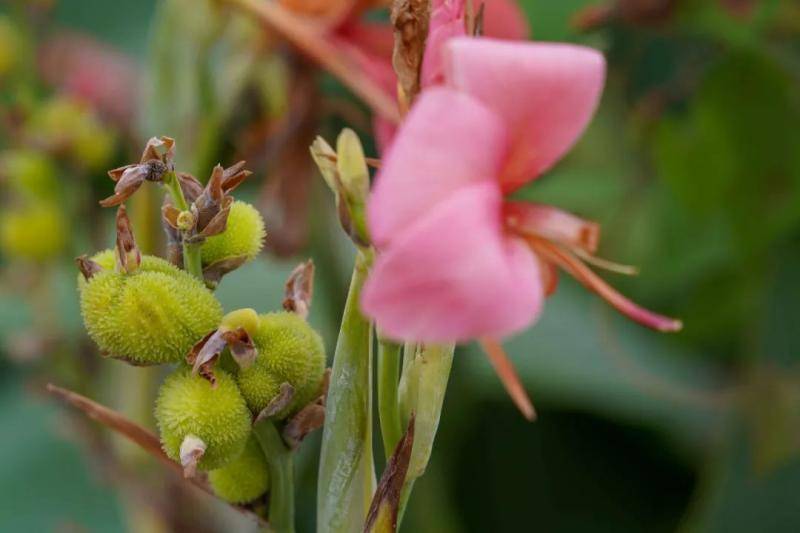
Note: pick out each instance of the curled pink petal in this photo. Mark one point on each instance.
(546, 94)
(454, 276)
(448, 141)
(551, 223)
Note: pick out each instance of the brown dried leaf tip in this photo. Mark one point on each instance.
(410, 19)
(309, 419)
(87, 267)
(300, 289)
(280, 402)
(155, 162)
(127, 253)
(205, 353)
(382, 515)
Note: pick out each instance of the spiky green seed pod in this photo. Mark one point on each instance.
(243, 236)
(244, 479)
(188, 405)
(152, 316)
(35, 233)
(289, 351)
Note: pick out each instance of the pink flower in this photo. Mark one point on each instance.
(502, 19)
(457, 260)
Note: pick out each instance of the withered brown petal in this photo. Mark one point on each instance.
(206, 351)
(242, 348)
(217, 224)
(280, 402)
(309, 419)
(382, 515)
(410, 19)
(128, 183)
(116, 173)
(213, 273)
(300, 289)
(127, 253)
(161, 148)
(191, 186)
(169, 213)
(87, 267)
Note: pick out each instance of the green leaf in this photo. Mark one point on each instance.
(346, 472)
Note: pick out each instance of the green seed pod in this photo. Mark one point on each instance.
(35, 233)
(189, 406)
(289, 351)
(243, 236)
(244, 479)
(152, 316)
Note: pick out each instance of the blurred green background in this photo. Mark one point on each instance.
(692, 166)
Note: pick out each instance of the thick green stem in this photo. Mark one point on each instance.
(279, 461)
(422, 389)
(346, 472)
(388, 407)
(192, 262)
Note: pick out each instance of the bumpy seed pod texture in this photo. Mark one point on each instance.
(154, 315)
(187, 404)
(289, 351)
(243, 236)
(245, 478)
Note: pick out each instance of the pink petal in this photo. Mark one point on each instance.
(447, 21)
(448, 141)
(546, 93)
(454, 275)
(503, 19)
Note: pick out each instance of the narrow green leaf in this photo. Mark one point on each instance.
(346, 473)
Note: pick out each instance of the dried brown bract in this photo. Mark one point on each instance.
(410, 19)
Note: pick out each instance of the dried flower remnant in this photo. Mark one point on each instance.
(300, 289)
(156, 161)
(410, 19)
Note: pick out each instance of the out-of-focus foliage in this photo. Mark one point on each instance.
(692, 166)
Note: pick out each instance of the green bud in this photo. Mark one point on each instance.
(346, 173)
(243, 236)
(189, 406)
(244, 479)
(289, 351)
(35, 233)
(152, 316)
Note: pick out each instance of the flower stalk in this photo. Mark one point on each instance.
(346, 479)
(388, 382)
(280, 464)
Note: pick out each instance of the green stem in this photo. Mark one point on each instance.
(279, 462)
(346, 479)
(388, 408)
(192, 262)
